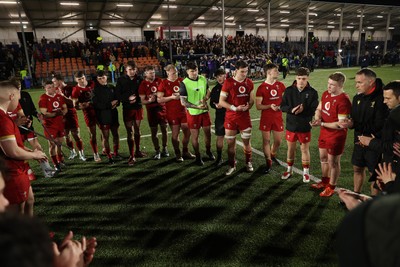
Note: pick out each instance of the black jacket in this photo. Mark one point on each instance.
(127, 87)
(29, 109)
(369, 113)
(103, 95)
(214, 98)
(390, 135)
(292, 98)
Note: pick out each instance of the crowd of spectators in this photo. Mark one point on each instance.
(208, 52)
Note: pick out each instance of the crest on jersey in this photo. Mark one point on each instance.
(274, 92)
(176, 89)
(327, 105)
(153, 89)
(56, 104)
(242, 89)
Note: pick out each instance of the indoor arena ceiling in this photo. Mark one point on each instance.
(204, 13)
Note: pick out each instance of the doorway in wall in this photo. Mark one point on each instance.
(149, 35)
(91, 35)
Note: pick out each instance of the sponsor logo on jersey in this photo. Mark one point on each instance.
(327, 105)
(176, 89)
(153, 89)
(274, 92)
(56, 104)
(242, 89)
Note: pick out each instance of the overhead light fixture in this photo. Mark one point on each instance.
(156, 16)
(201, 17)
(68, 15)
(370, 28)
(391, 28)
(171, 6)
(91, 27)
(285, 25)
(199, 23)
(284, 6)
(359, 16)
(313, 14)
(24, 27)
(69, 4)
(117, 22)
(284, 11)
(215, 8)
(17, 22)
(337, 15)
(350, 27)
(230, 23)
(251, 3)
(284, 20)
(230, 18)
(124, 5)
(379, 16)
(310, 26)
(252, 10)
(8, 2)
(69, 23)
(240, 27)
(260, 19)
(17, 16)
(115, 16)
(331, 22)
(312, 8)
(148, 26)
(330, 27)
(156, 22)
(260, 24)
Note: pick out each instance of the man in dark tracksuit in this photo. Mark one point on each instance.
(219, 113)
(105, 104)
(299, 102)
(368, 116)
(390, 131)
(127, 91)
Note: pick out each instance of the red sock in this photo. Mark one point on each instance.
(94, 146)
(290, 163)
(60, 158)
(248, 156)
(325, 180)
(137, 142)
(306, 165)
(131, 147)
(108, 153)
(116, 147)
(54, 159)
(269, 162)
(332, 186)
(70, 144)
(79, 145)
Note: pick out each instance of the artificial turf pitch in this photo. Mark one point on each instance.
(162, 213)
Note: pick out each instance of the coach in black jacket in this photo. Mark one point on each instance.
(368, 116)
(299, 102)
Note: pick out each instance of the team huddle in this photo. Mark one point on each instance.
(183, 104)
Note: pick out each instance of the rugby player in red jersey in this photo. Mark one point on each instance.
(53, 109)
(168, 93)
(237, 97)
(82, 97)
(70, 119)
(156, 112)
(268, 100)
(334, 108)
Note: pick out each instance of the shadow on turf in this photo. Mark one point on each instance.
(284, 244)
(212, 247)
